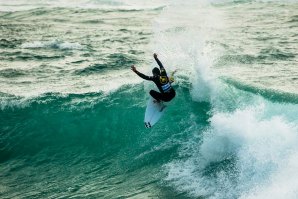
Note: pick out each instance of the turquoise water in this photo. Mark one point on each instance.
(71, 111)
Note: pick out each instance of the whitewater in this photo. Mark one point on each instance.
(71, 110)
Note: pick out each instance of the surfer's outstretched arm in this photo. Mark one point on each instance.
(133, 68)
(158, 62)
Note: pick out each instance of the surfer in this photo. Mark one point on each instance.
(160, 78)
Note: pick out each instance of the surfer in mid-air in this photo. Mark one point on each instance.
(160, 78)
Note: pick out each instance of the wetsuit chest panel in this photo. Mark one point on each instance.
(164, 83)
(166, 87)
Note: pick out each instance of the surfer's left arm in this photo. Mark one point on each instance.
(133, 68)
(163, 71)
(158, 62)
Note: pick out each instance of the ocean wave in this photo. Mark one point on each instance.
(55, 44)
(108, 6)
(11, 73)
(293, 19)
(241, 155)
(78, 101)
(275, 54)
(115, 61)
(270, 94)
(218, 139)
(21, 56)
(264, 55)
(54, 110)
(249, 142)
(10, 43)
(16, 102)
(94, 68)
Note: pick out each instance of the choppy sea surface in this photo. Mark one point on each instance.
(71, 110)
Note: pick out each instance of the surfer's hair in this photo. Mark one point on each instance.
(155, 71)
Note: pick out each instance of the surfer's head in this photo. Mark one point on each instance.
(156, 71)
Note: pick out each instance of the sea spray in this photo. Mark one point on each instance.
(244, 148)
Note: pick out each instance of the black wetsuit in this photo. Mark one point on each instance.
(167, 93)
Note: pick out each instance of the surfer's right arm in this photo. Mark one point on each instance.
(133, 68)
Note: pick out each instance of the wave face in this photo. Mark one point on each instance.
(71, 111)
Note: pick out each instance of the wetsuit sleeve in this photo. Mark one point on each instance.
(162, 69)
(144, 76)
(159, 63)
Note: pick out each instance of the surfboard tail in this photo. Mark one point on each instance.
(148, 125)
(153, 113)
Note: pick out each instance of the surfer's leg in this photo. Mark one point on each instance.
(156, 95)
(168, 96)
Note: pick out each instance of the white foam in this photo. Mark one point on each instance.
(91, 83)
(247, 152)
(183, 35)
(264, 153)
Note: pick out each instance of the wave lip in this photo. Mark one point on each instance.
(55, 44)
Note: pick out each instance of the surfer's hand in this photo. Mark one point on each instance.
(133, 68)
(155, 55)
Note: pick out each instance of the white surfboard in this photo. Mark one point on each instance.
(153, 113)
